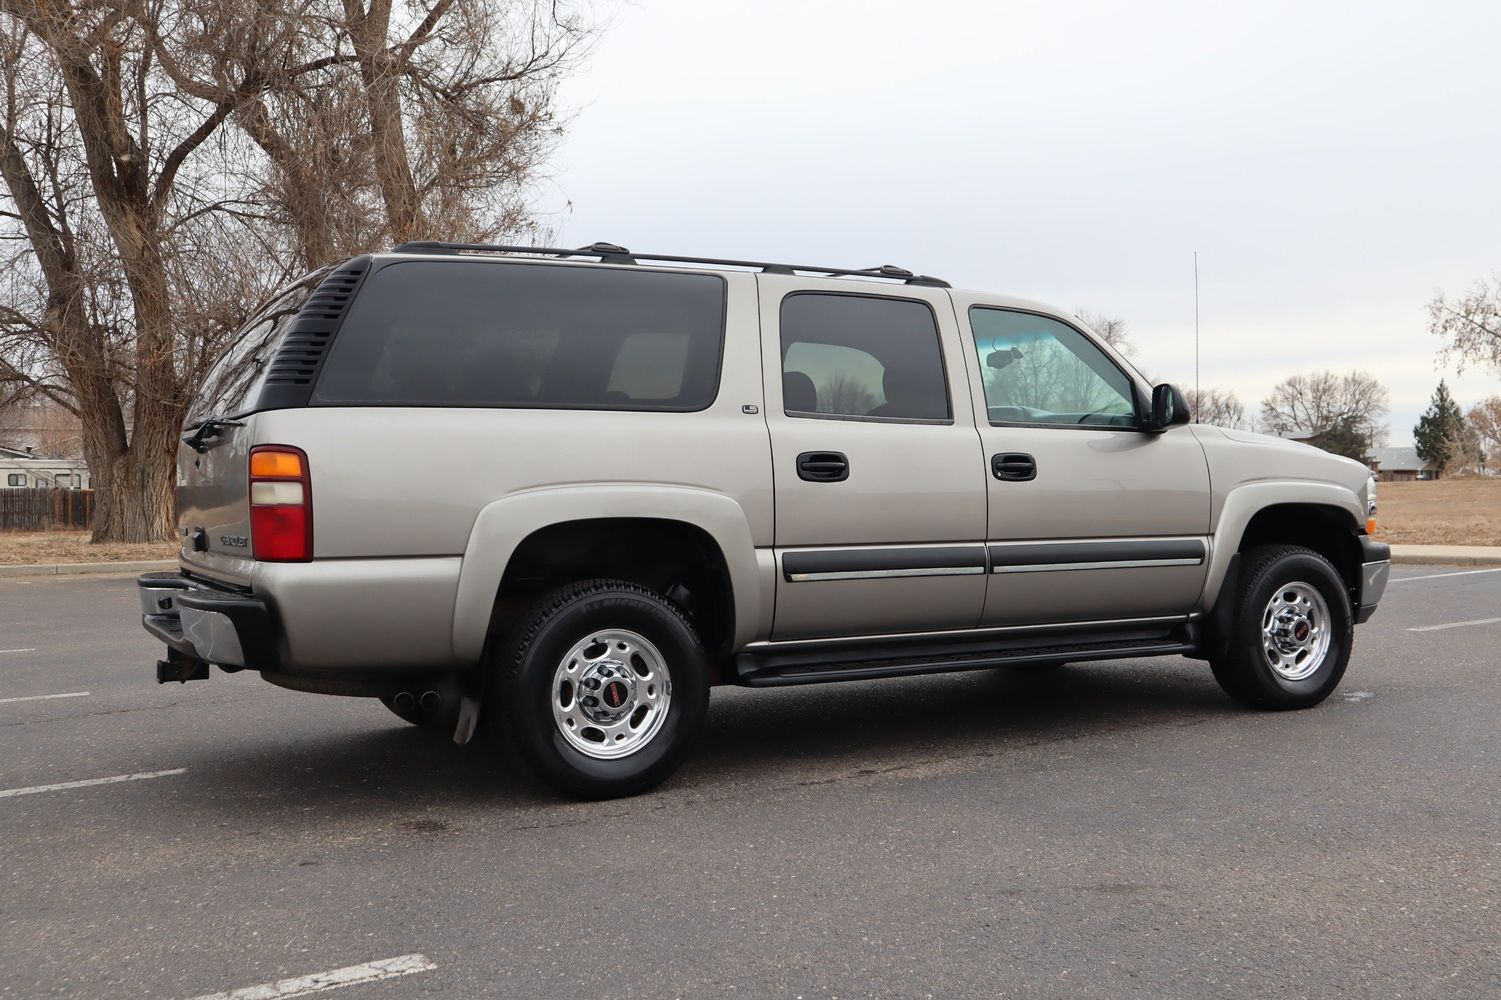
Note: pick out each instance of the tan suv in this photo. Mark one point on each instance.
(562, 493)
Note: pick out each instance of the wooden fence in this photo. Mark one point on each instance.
(40, 508)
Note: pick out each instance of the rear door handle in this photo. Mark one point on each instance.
(823, 467)
(1013, 467)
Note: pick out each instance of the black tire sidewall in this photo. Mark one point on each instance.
(529, 693)
(1262, 683)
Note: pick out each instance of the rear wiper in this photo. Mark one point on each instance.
(207, 431)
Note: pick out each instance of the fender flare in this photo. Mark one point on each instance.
(502, 525)
(1245, 502)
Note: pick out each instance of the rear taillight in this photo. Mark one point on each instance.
(281, 504)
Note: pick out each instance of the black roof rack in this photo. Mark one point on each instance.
(609, 253)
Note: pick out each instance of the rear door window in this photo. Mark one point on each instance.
(861, 356)
(481, 333)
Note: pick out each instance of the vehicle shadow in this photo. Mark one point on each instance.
(775, 736)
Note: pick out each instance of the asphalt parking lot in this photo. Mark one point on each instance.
(1111, 829)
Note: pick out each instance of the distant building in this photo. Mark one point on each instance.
(23, 467)
(41, 444)
(1395, 465)
(41, 426)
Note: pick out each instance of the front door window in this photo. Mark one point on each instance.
(1040, 371)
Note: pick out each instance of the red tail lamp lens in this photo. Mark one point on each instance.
(281, 505)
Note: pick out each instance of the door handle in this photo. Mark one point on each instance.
(823, 467)
(1013, 467)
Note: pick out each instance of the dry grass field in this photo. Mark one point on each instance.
(1445, 512)
(30, 547)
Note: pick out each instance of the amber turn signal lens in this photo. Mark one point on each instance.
(275, 465)
(1370, 526)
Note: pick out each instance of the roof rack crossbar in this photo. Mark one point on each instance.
(609, 253)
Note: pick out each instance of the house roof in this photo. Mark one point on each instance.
(21, 455)
(1399, 459)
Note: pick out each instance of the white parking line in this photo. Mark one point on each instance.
(6, 793)
(44, 697)
(32, 650)
(1435, 576)
(370, 972)
(1436, 628)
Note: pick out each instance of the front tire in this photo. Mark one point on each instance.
(604, 686)
(1291, 633)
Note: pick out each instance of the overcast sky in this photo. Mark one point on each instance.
(1333, 163)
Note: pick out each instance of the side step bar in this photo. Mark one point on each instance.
(775, 667)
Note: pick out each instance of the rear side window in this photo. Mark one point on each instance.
(478, 333)
(235, 380)
(861, 356)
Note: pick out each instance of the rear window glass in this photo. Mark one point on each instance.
(235, 380)
(478, 333)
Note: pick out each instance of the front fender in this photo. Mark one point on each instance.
(1244, 502)
(504, 524)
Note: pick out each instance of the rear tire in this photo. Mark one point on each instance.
(604, 688)
(1291, 632)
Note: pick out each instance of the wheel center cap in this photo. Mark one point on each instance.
(1291, 631)
(607, 691)
(615, 693)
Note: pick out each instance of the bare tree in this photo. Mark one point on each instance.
(1111, 329)
(41, 424)
(402, 119)
(99, 163)
(167, 165)
(1485, 418)
(1220, 407)
(846, 394)
(1470, 325)
(1464, 452)
(1319, 402)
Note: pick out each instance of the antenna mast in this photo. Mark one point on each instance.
(1198, 399)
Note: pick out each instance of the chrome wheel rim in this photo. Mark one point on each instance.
(610, 694)
(1295, 632)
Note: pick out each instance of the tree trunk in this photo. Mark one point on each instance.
(134, 481)
(300, 193)
(133, 498)
(380, 73)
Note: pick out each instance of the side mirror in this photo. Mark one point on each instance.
(1168, 408)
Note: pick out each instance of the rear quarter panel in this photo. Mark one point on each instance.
(397, 494)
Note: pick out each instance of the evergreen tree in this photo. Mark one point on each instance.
(1438, 430)
(1344, 436)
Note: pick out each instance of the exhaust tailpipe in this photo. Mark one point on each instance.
(404, 702)
(431, 701)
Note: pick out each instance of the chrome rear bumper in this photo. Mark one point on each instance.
(208, 623)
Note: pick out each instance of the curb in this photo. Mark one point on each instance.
(88, 569)
(1446, 555)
